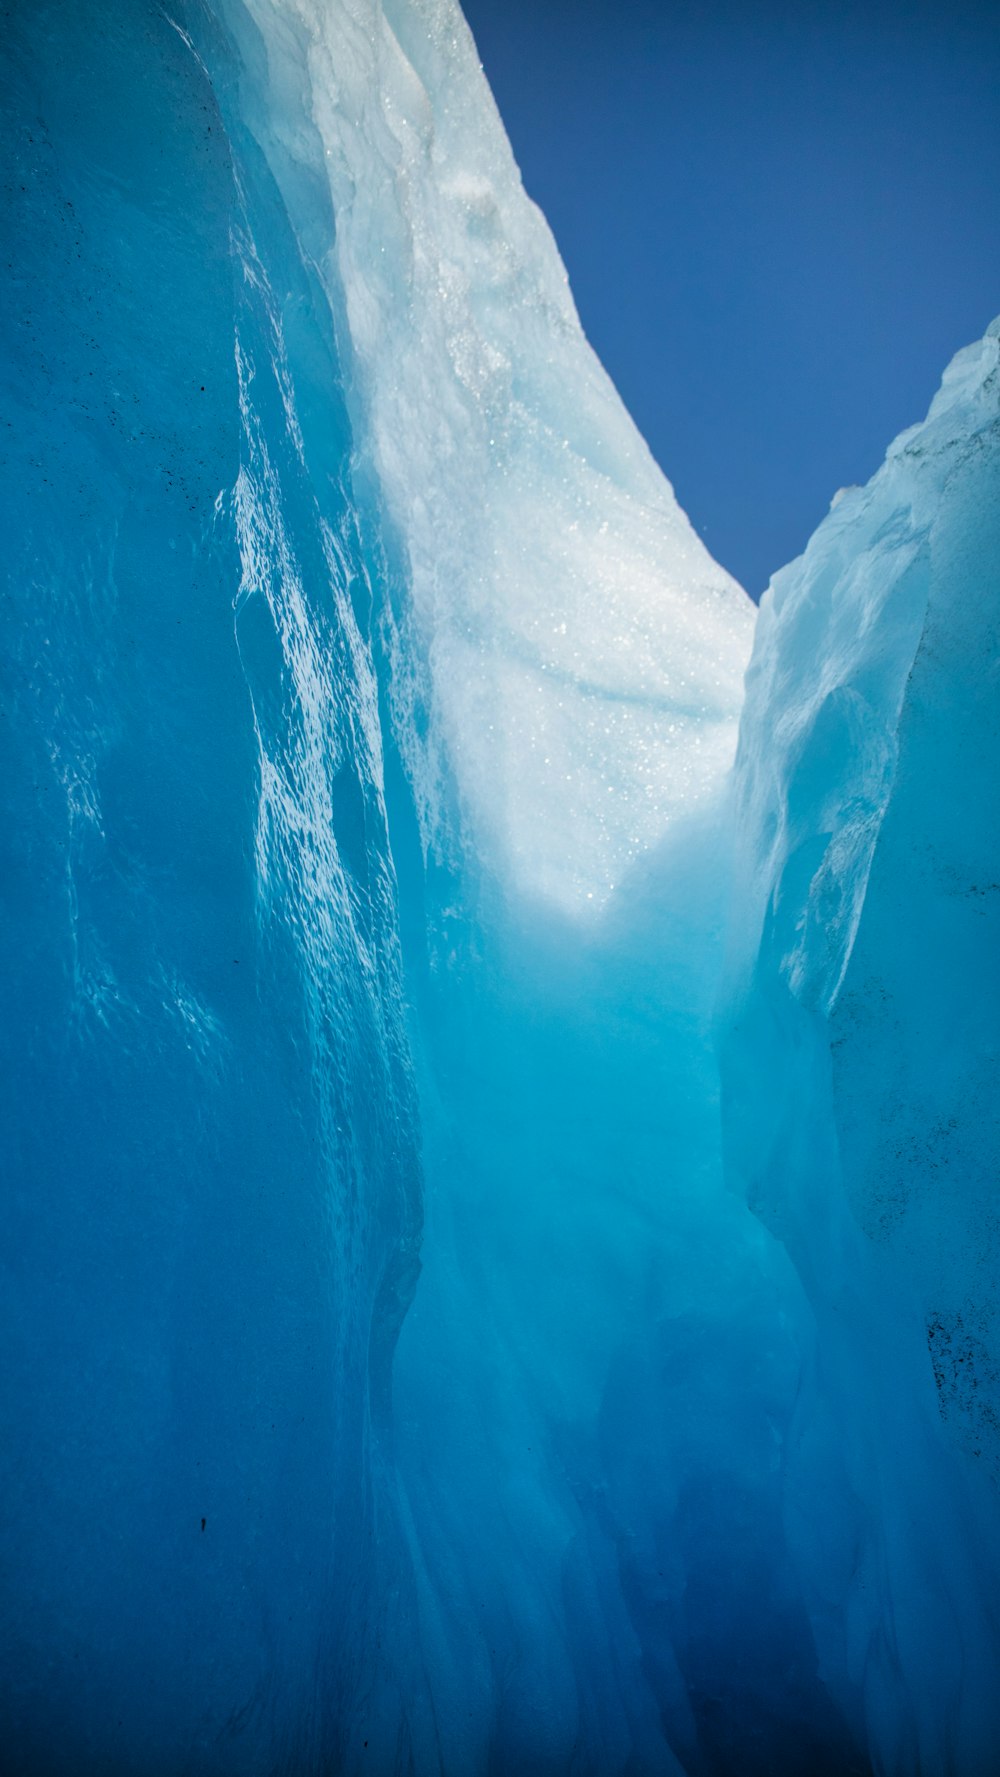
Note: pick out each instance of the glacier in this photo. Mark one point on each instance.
(500, 1130)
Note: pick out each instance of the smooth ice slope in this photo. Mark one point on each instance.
(577, 653)
(860, 1071)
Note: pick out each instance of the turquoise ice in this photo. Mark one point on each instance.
(499, 1127)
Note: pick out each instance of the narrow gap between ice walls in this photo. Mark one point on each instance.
(375, 720)
(595, 1377)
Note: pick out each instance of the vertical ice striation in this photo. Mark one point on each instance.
(211, 1182)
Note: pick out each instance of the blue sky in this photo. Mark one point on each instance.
(779, 222)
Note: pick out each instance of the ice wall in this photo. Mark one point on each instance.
(859, 1061)
(211, 1195)
(574, 650)
(393, 1382)
(326, 648)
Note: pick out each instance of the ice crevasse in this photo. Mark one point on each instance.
(500, 1259)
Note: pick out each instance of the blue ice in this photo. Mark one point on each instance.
(498, 1102)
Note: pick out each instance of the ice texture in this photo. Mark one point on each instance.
(498, 1263)
(576, 652)
(859, 1062)
(211, 1182)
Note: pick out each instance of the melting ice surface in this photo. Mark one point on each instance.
(500, 1244)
